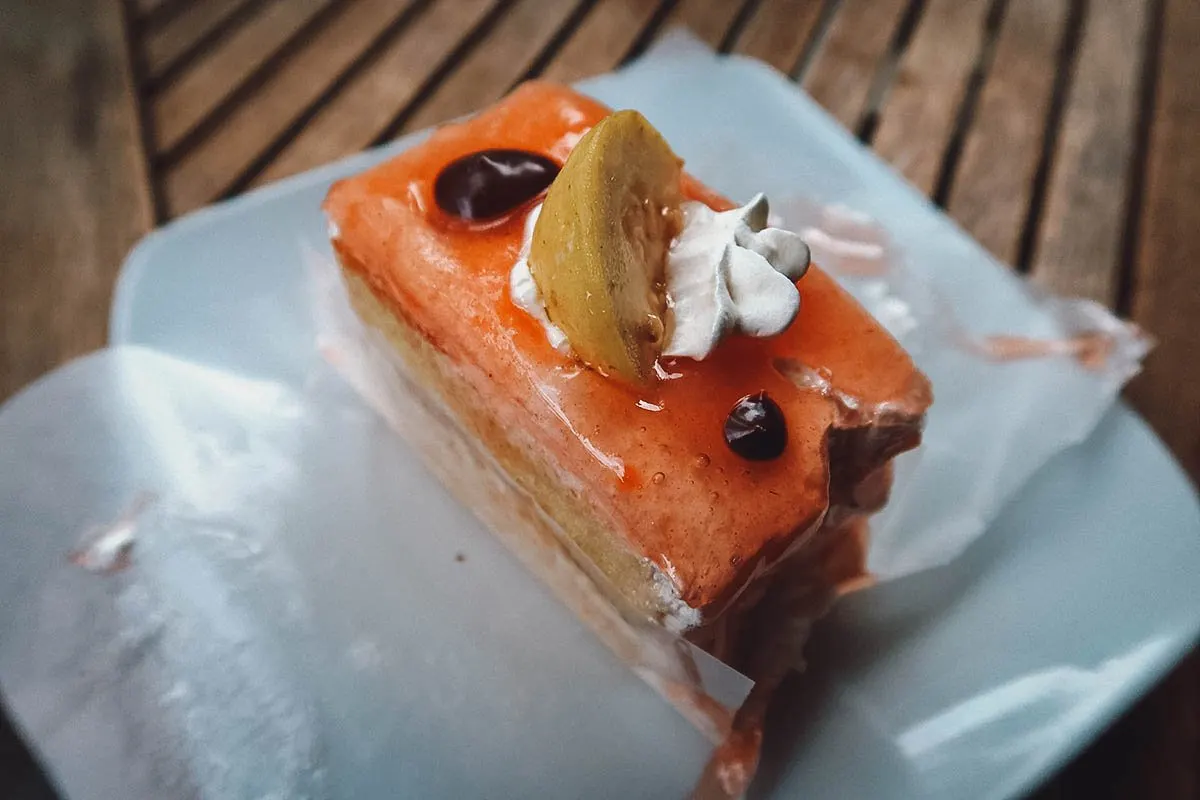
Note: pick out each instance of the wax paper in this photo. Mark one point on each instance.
(224, 588)
(1007, 396)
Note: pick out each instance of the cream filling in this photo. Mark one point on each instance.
(525, 293)
(726, 273)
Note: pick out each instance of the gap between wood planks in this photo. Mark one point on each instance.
(441, 73)
(243, 91)
(886, 74)
(1148, 89)
(966, 107)
(388, 34)
(817, 34)
(989, 176)
(147, 15)
(346, 123)
(646, 36)
(740, 21)
(1050, 136)
(158, 79)
(145, 116)
(551, 49)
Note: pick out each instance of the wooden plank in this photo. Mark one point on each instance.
(994, 183)
(222, 156)
(143, 7)
(495, 64)
(202, 87)
(74, 173)
(846, 62)
(161, 47)
(602, 40)
(918, 115)
(1149, 752)
(779, 31)
(1167, 298)
(1078, 250)
(708, 20)
(352, 120)
(1155, 750)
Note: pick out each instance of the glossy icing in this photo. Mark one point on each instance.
(655, 462)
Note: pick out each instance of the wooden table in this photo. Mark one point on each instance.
(1063, 134)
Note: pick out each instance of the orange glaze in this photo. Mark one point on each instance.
(665, 479)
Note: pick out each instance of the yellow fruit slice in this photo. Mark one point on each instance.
(599, 247)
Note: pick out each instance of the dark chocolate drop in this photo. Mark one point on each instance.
(755, 429)
(490, 183)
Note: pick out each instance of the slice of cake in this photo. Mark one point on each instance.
(704, 416)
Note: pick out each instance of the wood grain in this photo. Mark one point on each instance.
(143, 7)
(602, 40)
(779, 31)
(352, 120)
(161, 47)
(1078, 249)
(1166, 297)
(267, 112)
(846, 62)
(74, 179)
(994, 183)
(919, 113)
(708, 20)
(495, 64)
(197, 92)
(1154, 751)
